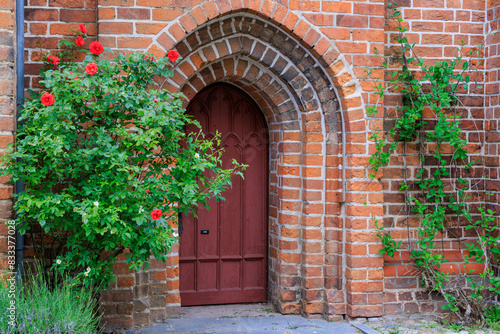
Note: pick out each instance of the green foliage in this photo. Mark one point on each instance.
(436, 88)
(492, 314)
(455, 327)
(112, 148)
(390, 245)
(492, 317)
(43, 308)
(394, 330)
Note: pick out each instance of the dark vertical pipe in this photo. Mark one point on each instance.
(19, 65)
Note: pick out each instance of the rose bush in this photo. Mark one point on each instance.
(107, 163)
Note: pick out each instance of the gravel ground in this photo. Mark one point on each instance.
(415, 325)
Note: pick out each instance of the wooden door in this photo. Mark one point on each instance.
(223, 252)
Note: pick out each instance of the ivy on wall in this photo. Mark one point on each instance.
(443, 160)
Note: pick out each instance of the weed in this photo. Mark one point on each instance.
(394, 330)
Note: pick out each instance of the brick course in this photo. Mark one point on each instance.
(304, 64)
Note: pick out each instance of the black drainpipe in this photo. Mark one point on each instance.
(19, 64)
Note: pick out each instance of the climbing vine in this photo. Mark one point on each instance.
(440, 192)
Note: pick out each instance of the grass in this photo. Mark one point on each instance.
(492, 315)
(394, 330)
(6, 315)
(459, 327)
(495, 326)
(433, 325)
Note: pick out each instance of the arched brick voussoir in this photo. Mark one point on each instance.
(246, 24)
(306, 97)
(275, 98)
(259, 30)
(212, 20)
(309, 36)
(261, 39)
(220, 35)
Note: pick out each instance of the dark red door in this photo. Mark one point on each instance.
(223, 252)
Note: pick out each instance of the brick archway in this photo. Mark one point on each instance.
(302, 107)
(323, 245)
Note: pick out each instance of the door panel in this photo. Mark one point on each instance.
(228, 264)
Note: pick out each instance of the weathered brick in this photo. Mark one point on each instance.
(133, 13)
(77, 15)
(116, 28)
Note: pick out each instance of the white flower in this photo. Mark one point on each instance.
(86, 273)
(75, 209)
(58, 261)
(141, 209)
(175, 234)
(113, 232)
(88, 270)
(58, 202)
(96, 204)
(196, 155)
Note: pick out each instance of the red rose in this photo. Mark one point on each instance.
(147, 191)
(80, 41)
(173, 55)
(91, 68)
(96, 48)
(83, 29)
(47, 99)
(156, 214)
(53, 59)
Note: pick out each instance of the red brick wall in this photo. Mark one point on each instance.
(492, 103)
(46, 22)
(304, 63)
(438, 28)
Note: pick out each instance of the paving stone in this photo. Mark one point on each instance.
(364, 328)
(159, 328)
(218, 325)
(315, 331)
(254, 325)
(285, 322)
(340, 327)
